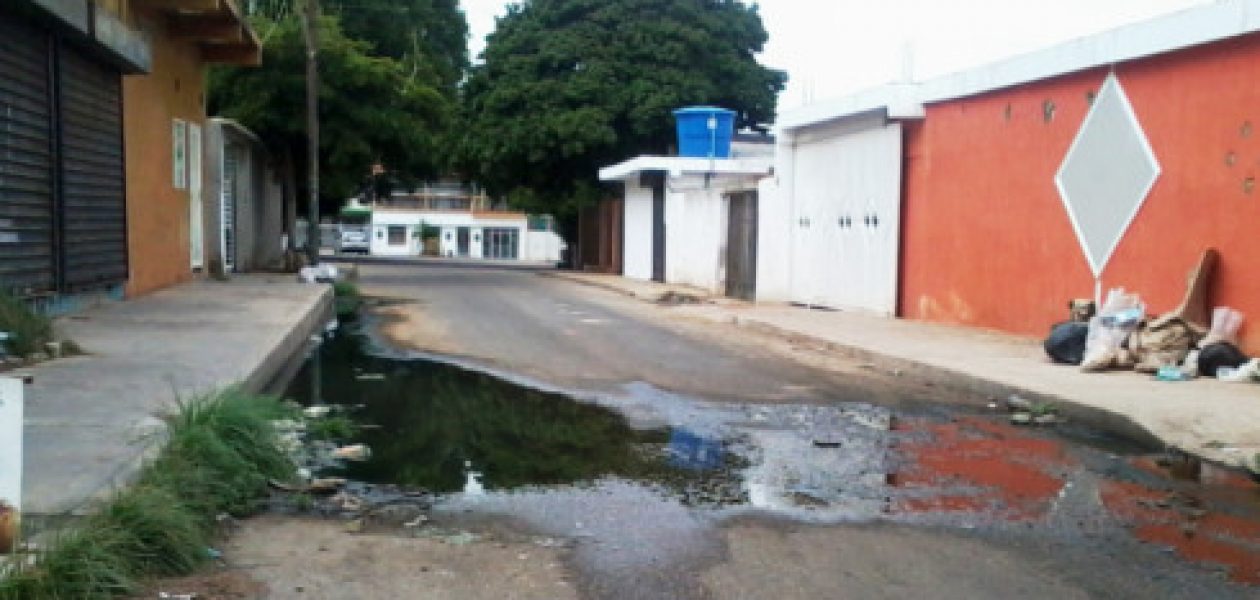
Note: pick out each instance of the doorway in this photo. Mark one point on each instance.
(741, 246)
(461, 241)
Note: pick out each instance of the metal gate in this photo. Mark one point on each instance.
(26, 160)
(741, 246)
(62, 197)
(94, 213)
(227, 204)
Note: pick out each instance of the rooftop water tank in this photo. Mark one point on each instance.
(704, 131)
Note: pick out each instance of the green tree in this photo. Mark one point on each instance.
(568, 86)
(429, 36)
(371, 107)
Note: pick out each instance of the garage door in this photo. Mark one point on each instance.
(847, 213)
(26, 183)
(94, 243)
(62, 195)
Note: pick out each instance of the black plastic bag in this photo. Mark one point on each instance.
(1066, 343)
(1220, 354)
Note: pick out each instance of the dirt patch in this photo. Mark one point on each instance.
(317, 559)
(219, 584)
(408, 326)
(873, 562)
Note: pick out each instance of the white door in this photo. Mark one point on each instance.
(196, 232)
(847, 184)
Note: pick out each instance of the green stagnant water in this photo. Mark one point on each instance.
(430, 424)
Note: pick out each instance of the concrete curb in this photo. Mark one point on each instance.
(968, 385)
(282, 352)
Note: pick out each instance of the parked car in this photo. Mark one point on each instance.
(354, 240)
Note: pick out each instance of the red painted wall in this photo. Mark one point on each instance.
(987, 241)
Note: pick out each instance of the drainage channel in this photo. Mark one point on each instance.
(641, 476)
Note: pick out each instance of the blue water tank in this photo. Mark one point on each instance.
(705, 131)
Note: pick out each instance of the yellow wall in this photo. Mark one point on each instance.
(157, 213)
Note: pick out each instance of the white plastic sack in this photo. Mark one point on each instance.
(1225, 324)
(1119, 317)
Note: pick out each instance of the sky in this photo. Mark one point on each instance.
(833, 47)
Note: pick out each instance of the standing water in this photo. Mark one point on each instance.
(560, 464)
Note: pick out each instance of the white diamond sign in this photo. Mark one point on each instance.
(1107, 174)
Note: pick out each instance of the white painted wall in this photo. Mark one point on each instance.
(542, 246)
(637, 234)
(11, 442)
(695, 226)
(449, 224)
(382, 221)
(774, 238)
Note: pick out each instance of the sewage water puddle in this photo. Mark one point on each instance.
(640, 470)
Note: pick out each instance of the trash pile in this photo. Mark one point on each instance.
(1187, 342)
(361, 505)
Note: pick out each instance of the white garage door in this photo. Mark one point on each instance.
(847, 216)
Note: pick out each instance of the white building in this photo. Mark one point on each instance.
(695, 221)
(465, 226)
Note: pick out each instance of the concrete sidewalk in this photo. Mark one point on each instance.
(1206, 418)
(90, 419)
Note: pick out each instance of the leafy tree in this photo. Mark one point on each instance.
(371, 108)
(568, 86)
(429, 36)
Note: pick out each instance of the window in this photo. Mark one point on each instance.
(540, 223)
(500, 243)
(397, 235)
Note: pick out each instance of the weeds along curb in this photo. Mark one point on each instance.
(346, 298)
(220, 452)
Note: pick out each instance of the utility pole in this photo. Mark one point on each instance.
(310, 30)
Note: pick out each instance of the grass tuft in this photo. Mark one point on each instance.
(163, 535)
(334, 429)
(346, 298)
(29, 330)
(219, 455)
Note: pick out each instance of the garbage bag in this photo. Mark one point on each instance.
(1225, 324)
(1108, 331)
(1163, 342)
(1066, 342)
(1220, 354)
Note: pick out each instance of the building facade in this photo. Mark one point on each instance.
(463, 224)
(1110, 161)
(102, 107)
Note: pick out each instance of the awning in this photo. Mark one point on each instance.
(354, 209)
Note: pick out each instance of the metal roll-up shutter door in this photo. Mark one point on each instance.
(26, 181)
(94, 213)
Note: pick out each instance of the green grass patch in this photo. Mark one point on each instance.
(346, 298)
(332, 428)
(29, 330)
(220, 453)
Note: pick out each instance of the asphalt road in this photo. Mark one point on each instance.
(581, 339)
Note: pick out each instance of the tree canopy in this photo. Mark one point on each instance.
(429, 36)
(372, 108)
(568, 86)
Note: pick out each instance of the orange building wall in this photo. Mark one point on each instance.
(987, 241)
(157, 213)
